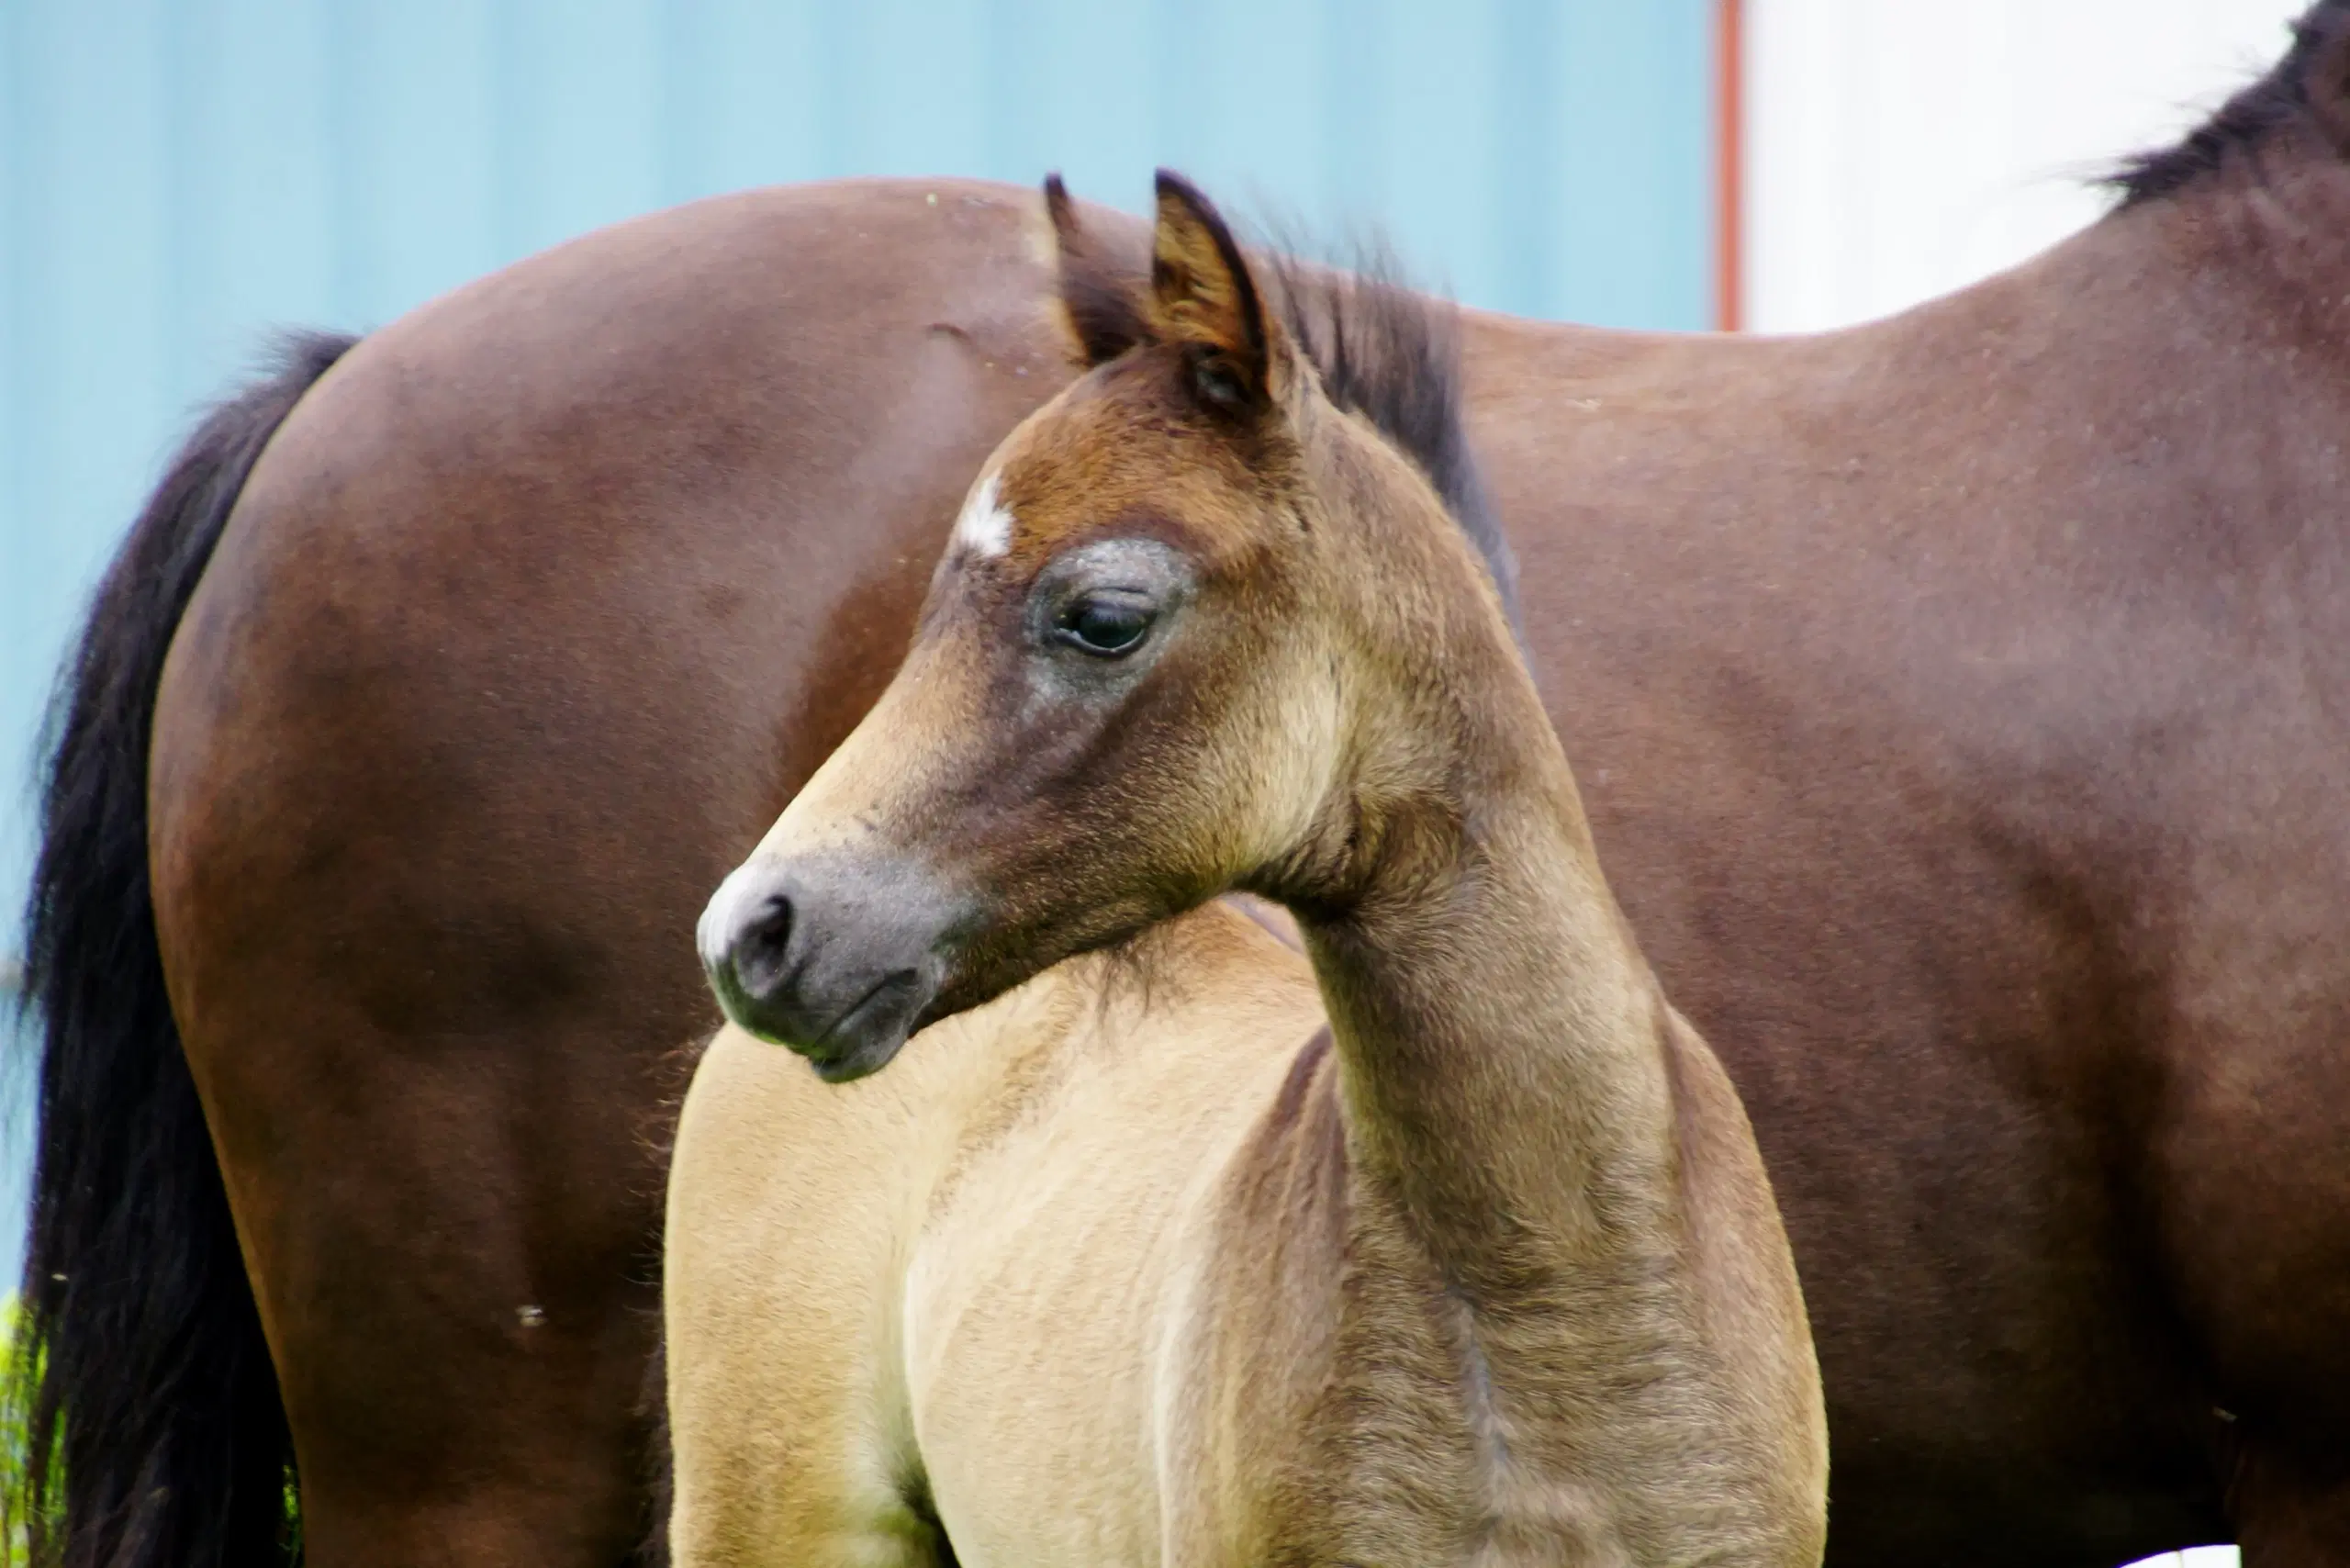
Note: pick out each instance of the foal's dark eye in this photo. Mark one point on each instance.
(1103, 625)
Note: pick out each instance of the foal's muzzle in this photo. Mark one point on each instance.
(832, 955)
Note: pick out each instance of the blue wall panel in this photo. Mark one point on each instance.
(177, 176)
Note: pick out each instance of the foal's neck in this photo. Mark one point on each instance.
(1501, 1040)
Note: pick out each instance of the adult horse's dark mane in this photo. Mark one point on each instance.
(1393, 356)
(2246, 120)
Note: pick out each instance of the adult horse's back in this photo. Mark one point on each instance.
(1959, 702)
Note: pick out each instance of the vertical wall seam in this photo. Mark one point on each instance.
(508, 227)
(1527, 67)
(1729, 164)
(348, 254)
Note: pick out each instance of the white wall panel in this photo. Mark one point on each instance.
(1896, 150)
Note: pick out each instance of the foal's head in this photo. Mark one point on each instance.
(1202, 624)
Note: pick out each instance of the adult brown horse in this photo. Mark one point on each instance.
(1960, 702)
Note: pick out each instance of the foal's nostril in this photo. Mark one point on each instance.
(759, 945)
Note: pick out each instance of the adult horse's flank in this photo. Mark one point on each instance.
(1958, 702)
(1488, 1272)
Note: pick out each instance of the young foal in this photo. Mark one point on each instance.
(1484, 1270)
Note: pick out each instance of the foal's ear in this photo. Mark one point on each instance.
(1201, 296)
(1097, 288)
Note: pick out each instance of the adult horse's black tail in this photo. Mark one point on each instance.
(155, 1435)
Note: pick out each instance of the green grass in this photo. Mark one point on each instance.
(12, 1442)
(15, 1445)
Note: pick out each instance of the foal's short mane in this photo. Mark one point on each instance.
(2245, 121)
(1393, 356)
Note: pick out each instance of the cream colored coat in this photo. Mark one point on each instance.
(1067, 1277)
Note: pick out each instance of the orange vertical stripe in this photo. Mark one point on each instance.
(1730, 163)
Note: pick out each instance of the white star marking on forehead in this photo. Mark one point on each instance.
(985, 527)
